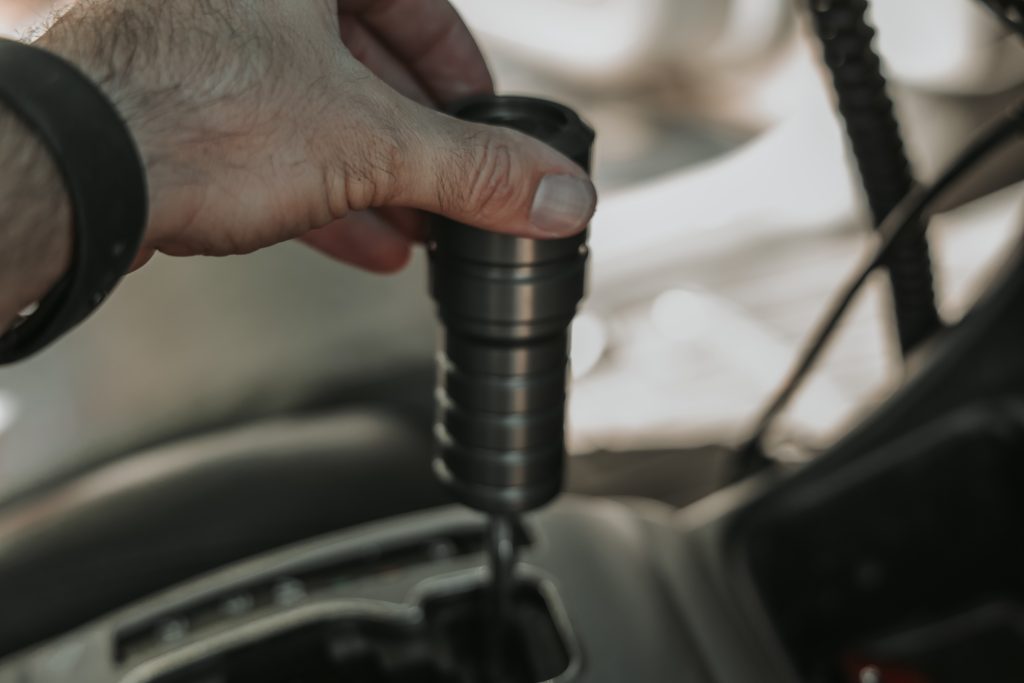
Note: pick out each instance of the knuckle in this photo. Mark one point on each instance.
(373, 176)
(489, 186)
(370, 172)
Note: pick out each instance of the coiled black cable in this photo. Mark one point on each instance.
(878, 148)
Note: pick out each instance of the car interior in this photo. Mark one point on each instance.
(375, 481)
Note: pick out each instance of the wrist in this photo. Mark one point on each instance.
(103, 180)
(82, 38)
(39, 235)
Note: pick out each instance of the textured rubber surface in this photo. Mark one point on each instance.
(878, 148)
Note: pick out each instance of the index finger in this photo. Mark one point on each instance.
(430, 37)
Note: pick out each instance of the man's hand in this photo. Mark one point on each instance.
(266, 120)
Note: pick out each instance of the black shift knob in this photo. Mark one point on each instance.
(505, 306)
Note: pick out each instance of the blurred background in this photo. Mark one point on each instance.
(729, 216)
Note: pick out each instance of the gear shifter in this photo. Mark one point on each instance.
(505, 305)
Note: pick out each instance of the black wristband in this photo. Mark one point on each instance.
(104, 177)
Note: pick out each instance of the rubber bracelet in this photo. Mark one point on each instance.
(104, 177)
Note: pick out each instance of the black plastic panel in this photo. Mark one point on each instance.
(925, 527)
(447, 645)
(285, 590)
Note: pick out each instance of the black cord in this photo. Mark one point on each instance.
(876, 143)
(904, 217)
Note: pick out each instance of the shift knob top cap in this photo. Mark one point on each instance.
(553, 124)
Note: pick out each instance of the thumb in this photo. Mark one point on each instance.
(493, 178)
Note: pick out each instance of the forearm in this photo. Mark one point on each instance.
(35, 220)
